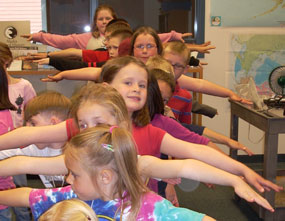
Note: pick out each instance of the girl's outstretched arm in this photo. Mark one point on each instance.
(181, 149)
(197, 170)
(33, 165)
(206, 87)
(221, 139)
(24, 136)
(18, 197)
(90, 73)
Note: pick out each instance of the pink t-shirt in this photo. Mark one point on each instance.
(19, 95)
(6, 124)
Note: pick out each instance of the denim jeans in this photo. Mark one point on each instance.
(5, 214)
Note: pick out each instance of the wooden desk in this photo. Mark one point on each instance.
(34, 72)
(197, 72)
(272, 125)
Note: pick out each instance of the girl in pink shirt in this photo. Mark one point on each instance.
(6, 124)
(91, 40)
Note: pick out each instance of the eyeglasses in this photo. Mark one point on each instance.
(148, 46)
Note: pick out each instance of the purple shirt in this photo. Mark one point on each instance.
(176, 130)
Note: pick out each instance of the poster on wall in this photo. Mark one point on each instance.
(11, 31)
(248, 13)
(255, 56)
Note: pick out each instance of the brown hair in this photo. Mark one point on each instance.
(86, 148)
(48, 102)
(146, 30)
(110, 70)
(179, 48)
(95, 31)
(5, 54)
(117, 24)
(73, 209)
(164, 76)
(105, 96)
(5, 103)
(122, 33)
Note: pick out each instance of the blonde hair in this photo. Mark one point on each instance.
(66, 210)
(103, 95)
(158, 62)
(86, 148)
(50, 103)
(110, 70)
(5, 54)
(177, 47)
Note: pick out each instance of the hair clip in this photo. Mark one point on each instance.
(112, 128)
(108, 147)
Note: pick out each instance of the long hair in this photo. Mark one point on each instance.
(5, 54)
(105, 96)
(5, 103)
(109, 71)
(66, 210)
(87, 148)
(150, 31)
(154, 98)
(95, 31)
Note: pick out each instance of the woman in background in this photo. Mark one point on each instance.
(90, 40)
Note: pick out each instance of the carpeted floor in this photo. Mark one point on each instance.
(218, 203)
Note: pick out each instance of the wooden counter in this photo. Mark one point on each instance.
(34, 72)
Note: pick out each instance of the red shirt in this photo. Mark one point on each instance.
(181, 104)
(95, 56)
(148, 138)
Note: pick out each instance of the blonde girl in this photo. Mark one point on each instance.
(73, 209)
(90, 40)
(102, 165)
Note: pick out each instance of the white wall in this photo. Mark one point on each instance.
(215, 72)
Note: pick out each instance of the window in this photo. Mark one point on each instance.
(20, 10)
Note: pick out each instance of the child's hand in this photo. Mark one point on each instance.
(237, 145)
(185, 35)
(203, 48)
(29, 37)
(172, 181)
(246, 192)
(235, 97)
(171, 195)
(37, 56)
(259, 182)
(42, 61)
(53, 78)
